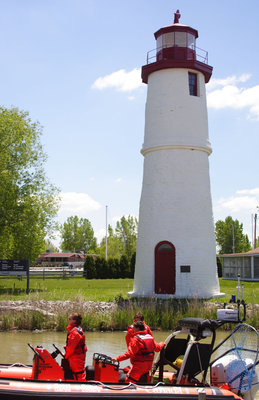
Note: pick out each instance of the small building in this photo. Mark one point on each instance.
(245, 264)
(62, 259)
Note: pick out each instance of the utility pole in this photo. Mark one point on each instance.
(255, 231)
(252, 224)
(106, 233)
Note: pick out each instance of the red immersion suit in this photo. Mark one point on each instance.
(130, 333)
(76, 351)
(141, 353)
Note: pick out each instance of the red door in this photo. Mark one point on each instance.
(164, 268)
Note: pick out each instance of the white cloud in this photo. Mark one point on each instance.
(237, 204)
(249, 191)
(100, 234)
(121, 80)
(73, 203)
(241, 206)
(226, 93)
(118, 180)
(230, 80)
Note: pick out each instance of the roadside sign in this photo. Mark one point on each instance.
(15, 268)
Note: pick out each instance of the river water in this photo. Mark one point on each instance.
(14, 345)
(15, 349)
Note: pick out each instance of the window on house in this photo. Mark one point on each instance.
(192, 84)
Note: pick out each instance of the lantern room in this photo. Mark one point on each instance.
(176, 41)
(176, 48)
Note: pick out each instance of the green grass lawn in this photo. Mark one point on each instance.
(251, 291)
(98, 289)
(65, 289)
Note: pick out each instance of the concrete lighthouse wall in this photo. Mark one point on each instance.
(175, 203)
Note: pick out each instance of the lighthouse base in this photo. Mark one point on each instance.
(170, 296)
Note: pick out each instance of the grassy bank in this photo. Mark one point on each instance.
(98, 289)
(65, 289)
(159, 314)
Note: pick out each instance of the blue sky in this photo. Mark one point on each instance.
(75, 66)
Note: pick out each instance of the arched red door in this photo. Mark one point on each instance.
(164, 268)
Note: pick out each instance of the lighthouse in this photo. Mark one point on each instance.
(176, 251)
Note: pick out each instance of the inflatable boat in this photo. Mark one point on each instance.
(190, 366)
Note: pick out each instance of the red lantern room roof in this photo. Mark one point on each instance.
(176, 26)
(176, 48)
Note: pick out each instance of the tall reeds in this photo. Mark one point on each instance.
(159, 315)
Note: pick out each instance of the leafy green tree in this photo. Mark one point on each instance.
(124, 267)
(127, 231)
(77, 235)
(122, 241)
(101, 267)
(132, 265)
(89, 268)
(114, 245)
(225, 231)
(28, 202)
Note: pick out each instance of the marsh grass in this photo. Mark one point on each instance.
(159, 316)
(162, 315)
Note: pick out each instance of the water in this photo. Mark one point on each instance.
(14, 346)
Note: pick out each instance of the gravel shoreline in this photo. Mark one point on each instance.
(55, 307)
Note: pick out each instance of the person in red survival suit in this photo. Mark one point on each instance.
(141, 352)
(75, 347)
(137, 317)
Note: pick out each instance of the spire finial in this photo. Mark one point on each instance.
(177, 16)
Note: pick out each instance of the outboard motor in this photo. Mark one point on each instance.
(237, 374)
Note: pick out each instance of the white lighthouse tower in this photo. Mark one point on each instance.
(176, 252)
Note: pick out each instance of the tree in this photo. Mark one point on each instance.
(122, 241)
(77, 235)
(228, 230)
(89, 268)
(101, 267)
(28, 202)
(127, 231)
(132, 265)
(124, 267)
(114, 245)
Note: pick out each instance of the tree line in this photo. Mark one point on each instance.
(29, 204)
(77, 235)
(112, 268)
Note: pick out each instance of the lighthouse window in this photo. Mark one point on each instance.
(168, 39)
(190, 41)
(180, 39)
(165, 247)
(192, 84)
(159, 43)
